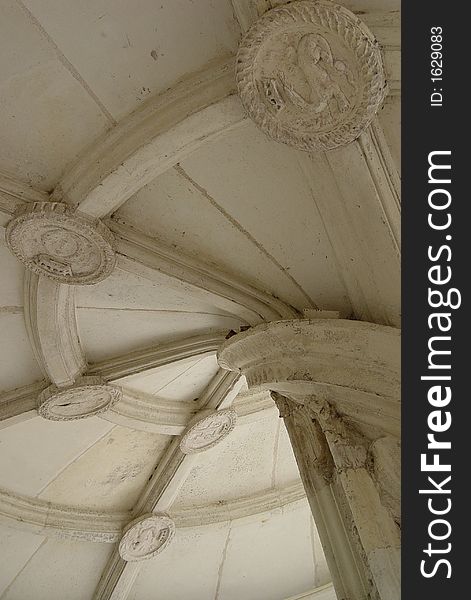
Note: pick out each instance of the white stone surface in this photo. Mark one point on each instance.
(275, 564)
(52, 241)
(390, 119)
(183, 380)
(255, 212)
(182, 571)
(35, 452)
(59, 570)
(40, 138)
(111, 474)
(268, 558)
(171, 209)
(16, 548)
(17, 364)
(127, 291)
(240, 465)
(155, 381)
(286, 470)
(132, 54)
(245, 161)
(11, 292)
(104, 333)
(146, 536)
(296, 238)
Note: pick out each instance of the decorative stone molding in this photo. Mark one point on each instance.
(72, 522)
(135, 410)
(18, 190)
(208, 431)
(146, 536)
(361, 541)
(362, 221)
(89, 396)
(310, 74)
(67, 522)
(348, 448)
(152, 139)
(140, 361)
(174, 466)
(51, 323)
(160, 492)
(145, 256)
(248, 506)
(321, 373)
(351, 364)
(305, 432)
(14, 194)
(20, 404)
(385, 456)
(53, 241)
(220, 392)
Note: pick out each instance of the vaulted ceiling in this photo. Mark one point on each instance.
(129, 112)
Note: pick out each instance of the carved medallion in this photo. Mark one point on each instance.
(310, 74)
(89, 396)
(51, 240)
(146, 537)
(208, 432)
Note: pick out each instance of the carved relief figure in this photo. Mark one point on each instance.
(208, 431)
(63, 248)
(310, 78)
(310, 75)
(87, 397)
(144, 537)
(82, 402)
(52, 240)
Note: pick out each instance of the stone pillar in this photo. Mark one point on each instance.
(361, 540)
(336, 384)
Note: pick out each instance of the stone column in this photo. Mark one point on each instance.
(335, 383)
(361, 540)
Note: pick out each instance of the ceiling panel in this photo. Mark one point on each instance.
(18, 366)
(135, 50)
(269, 558)
(59, 570)
(156, 379)
(111, 474)
(11, 288)
(125, 290)
(185, 570)
(16, 548)
(171, 209)
(47, 117)
(191, 382)
(240, 465)
(32, 453)
(183, 380)
(260, 184)
(107, 333)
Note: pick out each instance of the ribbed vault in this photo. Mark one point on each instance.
(131, 115)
